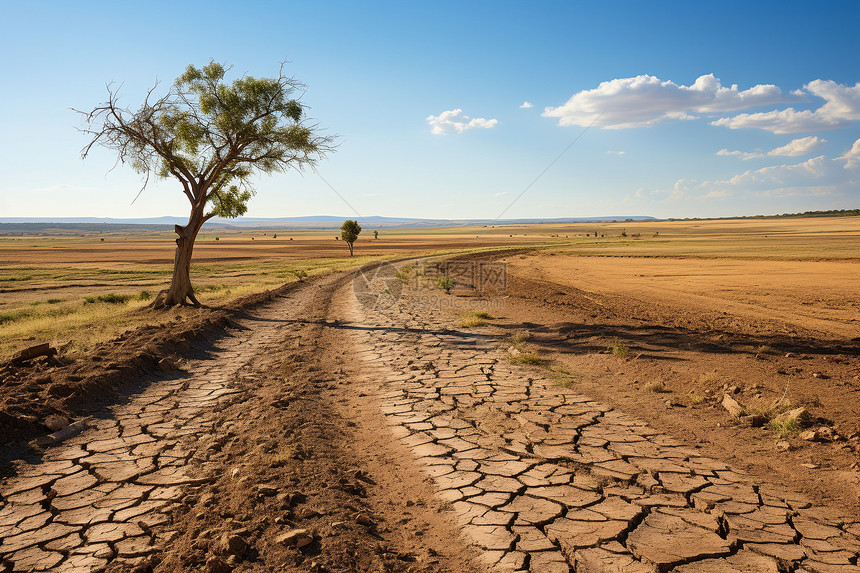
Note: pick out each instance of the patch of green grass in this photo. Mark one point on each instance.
(18, 278)
(695, 398)
(471, 319)
(14, 316)
(530, 358)
(618, 348)
(54, 300)
(110, 298)
(404, 274)
(144, 295)
(446, 284)
(519, 338)
(784, 428)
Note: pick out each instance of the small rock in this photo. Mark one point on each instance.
(55, 423)
(809, 436)
(168, 365)
(810, 466)
(233, 544)
(820, 375)
(513, 351)
(295, 538)
(783, 446)
(267, 490)
(215, 565)
(823, 434)
(799, 415)
(752, 421)
(789, 354)
(363, 519)
(309, 513)
(234, 472)
(732, 406)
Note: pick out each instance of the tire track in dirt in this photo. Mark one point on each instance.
(544, 480)
(101, 496)
(208, 468)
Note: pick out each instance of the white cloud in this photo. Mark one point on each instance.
(816, 176)
(455, 121)
(797, 147)
(646, 100)
(610, 152)
(527, 105)
(841, 105)
(842, 102)
(502, 194)
(371, 194)
(742, 154)
(782, 121)
(794, 148)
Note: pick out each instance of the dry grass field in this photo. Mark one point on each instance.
(55, 288)
(78, 291)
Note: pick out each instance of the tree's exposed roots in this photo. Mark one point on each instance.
(166, 300)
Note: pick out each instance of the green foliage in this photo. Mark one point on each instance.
(349, 233)
(446, 284)
(144, 295)
(617, 347)
(210, 134)
(13, 316)
(529, 358)
(110, 298)
(785, 427)
(471, 319)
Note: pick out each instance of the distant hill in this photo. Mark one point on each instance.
(70, 225)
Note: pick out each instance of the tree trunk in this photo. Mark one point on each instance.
(180, 290)
(350, 248)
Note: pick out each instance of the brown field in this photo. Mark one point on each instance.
(45, 280)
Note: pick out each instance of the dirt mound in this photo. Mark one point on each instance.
(34, 390)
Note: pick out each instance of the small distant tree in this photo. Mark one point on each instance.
(349, 233)
(213, 137)
(375, 234)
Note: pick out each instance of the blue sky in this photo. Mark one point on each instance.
(681, 109)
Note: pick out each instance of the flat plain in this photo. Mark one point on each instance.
(265, 416)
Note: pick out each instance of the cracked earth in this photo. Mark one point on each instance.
(536, 477)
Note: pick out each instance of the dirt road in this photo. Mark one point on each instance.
(324, 435)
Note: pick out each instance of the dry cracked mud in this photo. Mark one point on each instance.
(534, 477)
(545, 480)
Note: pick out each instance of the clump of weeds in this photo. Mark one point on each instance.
(618, 348)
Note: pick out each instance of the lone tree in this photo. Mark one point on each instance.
(213, 137)
(349, 233)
